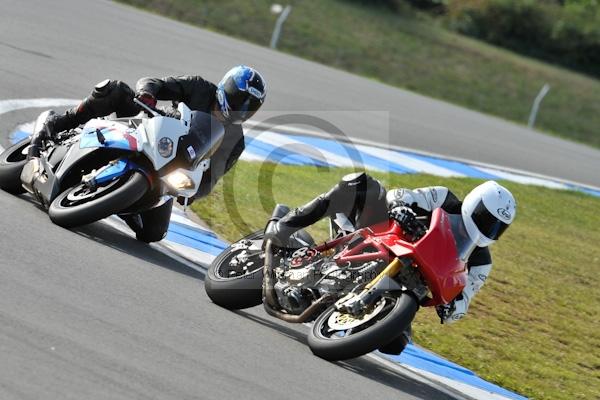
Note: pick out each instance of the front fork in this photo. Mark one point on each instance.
(355, 304)
(112, 170)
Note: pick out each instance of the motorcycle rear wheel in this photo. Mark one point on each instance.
(334, 343)
(75, 206)
(235, 289)
(12, 161)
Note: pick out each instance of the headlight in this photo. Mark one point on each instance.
(165, 147)
(179, 181)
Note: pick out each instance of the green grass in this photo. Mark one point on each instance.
(409, 53)
(534, 328)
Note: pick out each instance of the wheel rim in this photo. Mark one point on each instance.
(19, 154)
(83, 194)
(339, 325)
(242, 260)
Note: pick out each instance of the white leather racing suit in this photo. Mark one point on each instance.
(423, 201)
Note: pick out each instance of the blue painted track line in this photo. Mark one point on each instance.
(361, 159)
(589, 191)
(462, 168)
(17, 136)
(280, 155)
(195, 238)
(422, 359)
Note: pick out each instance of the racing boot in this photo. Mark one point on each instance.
(44, 131)
(151, 225)
(33, 171)
(396, 346)
(52, 126)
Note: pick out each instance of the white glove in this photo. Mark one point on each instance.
(458, 307)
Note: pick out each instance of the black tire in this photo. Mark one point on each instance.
(374, 336)
(241, 291)
(12, 161)
(114, 197)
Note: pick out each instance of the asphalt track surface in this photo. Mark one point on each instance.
(62, 48)
(93, 314)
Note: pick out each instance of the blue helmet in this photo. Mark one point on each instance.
(240, 93)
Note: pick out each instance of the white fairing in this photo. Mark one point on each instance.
(186, 114)
(149, 134)
(154, 129)
(496, 198)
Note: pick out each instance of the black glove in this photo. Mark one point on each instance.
(404, 215)
(278, 234)
(407, 219)
(444, 311)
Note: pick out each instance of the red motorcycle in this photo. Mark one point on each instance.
(361, 289)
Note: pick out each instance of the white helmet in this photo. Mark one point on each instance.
(487, 211)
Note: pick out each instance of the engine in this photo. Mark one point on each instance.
(306, 276)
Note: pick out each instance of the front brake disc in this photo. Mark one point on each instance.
(341, 321)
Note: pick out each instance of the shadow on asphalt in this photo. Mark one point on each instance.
(115, 239)
(274, 324)
(389, 377)
(362, 366)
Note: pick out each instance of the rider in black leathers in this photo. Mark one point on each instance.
(236, 98)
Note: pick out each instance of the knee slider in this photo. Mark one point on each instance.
(357, 180)
(104, 88)
(112, 89)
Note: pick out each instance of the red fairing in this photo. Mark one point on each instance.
(439, 260)
(435, 255)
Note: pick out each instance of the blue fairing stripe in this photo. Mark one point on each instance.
(113, 171)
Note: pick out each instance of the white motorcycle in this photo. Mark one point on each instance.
(122, 166)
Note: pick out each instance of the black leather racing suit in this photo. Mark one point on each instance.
(112, 96)
(359, 197)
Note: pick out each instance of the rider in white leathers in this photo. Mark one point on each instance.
(486, 212)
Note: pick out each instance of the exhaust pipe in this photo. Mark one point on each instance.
(270, 302)
(269, 295)
(304, 316)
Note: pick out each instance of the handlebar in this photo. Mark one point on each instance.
(155, 112)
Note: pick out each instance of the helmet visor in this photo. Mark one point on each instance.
(237, 105)
(487, 223)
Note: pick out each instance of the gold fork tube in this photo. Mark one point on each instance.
(391, 270)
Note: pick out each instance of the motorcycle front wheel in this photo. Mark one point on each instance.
(12, 161)
(340, 336)
(80, 205)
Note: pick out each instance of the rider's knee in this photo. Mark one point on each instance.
(112, 90)
(107, 97)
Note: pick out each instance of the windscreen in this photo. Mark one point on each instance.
(207, 131)
(464, 244)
